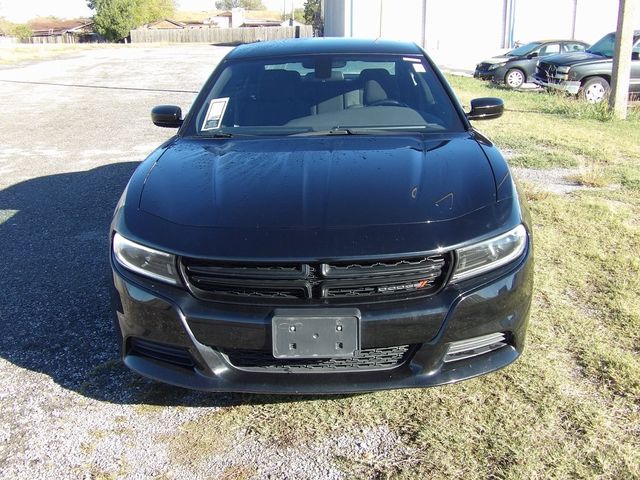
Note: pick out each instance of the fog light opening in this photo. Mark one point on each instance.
(472, 347)
(158, 351)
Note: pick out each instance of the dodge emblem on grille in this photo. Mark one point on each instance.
(405, 286)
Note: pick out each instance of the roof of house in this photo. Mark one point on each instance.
(56, 26)
(252, 22)
(167, 21)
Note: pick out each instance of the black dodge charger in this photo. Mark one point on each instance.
(325, 220)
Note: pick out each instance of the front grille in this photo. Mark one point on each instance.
(160, 351)
(367, 359)
(546, 71)
(315, 283)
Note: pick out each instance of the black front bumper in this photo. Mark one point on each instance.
(191, 337)
(484, 74)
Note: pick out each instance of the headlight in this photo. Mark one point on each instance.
(563, 69)
(497, 65)
(490, 254)
(145, 261)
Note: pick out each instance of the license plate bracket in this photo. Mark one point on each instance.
(316, 333)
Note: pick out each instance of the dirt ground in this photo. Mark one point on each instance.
(73, 131)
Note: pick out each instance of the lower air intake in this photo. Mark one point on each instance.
(160, 351)
(367, 359)
(473, 347)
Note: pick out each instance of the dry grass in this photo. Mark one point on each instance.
(17, 53)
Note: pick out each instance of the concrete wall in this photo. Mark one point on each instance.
(554, 19)
(459, 33)
(373, 19)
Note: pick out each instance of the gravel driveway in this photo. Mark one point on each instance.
(68, 409)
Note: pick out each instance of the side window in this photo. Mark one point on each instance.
(635, 52)
(573, 47)
(549, 49)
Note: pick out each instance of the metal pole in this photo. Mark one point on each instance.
(351, 17)
(573, 19)
(380, 25)
(512, 24)
(423, 29)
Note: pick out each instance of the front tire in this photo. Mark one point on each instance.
(514, 78)
(595, 90)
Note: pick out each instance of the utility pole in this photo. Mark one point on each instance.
(619, 96)
(573, 19)
(423, 25)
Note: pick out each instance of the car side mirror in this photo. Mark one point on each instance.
(486, 108)
(169, 116)
(532, 55)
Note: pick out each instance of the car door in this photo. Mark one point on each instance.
(549, 49)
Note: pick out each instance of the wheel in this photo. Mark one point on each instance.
(595, 90)
(514, 78)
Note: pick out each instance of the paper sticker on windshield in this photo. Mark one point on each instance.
(418, 68)
(215, 113)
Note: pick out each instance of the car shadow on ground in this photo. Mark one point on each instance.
(55, 314)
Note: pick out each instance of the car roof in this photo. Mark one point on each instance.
(311, 46)
(553, 40)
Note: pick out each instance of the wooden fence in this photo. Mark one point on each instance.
(218, 35)
(66, 38)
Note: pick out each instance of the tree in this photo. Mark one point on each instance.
(246, 4)
(114, 19)
(14, 29)
(22, 31)
(298, 14)
(312, 14)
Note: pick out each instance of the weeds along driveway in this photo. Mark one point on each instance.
(68, 409)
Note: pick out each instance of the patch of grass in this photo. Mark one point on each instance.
(595, 177)
(542, 130)
(17, 53)
(238, 472)
(198, 439)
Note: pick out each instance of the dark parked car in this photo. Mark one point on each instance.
(325, 220)
(588, 74)
(519, 65)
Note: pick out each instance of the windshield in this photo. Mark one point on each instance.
(524, 49)
(320, 93)
(604, 47)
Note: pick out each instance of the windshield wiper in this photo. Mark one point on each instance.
(331, 131)
(219, 135)
(359, 131)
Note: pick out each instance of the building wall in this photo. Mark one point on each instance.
(459, 33)
(373, 19)
(335, 21)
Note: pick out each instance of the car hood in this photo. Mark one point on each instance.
(500, 59)
(570, 59)
(318, 182)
